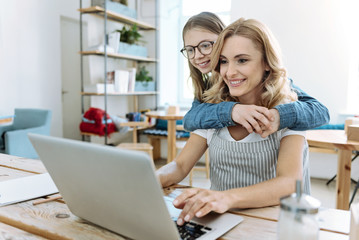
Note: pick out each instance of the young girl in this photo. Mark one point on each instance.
(247, 171)
(199, 35)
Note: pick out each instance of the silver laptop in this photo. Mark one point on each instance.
(118, 190)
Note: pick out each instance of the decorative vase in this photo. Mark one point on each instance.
(144, 86)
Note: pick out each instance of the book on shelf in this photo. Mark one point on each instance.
(131, 79)
(118, 81)
(111, 77)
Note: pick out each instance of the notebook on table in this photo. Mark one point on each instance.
(118, 190)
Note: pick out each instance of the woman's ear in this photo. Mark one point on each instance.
(266, 66)
(267, 69)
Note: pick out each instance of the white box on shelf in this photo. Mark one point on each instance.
(114, 40)
(121, 81)
(99, 88)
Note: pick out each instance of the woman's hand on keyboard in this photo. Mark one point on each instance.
(200, 202)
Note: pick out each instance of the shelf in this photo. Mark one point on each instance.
(119, 94)
(117, 17)
(119, 55)
(131, 124)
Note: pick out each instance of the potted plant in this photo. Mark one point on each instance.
(129, 41)
(130, 35)
(144, 82)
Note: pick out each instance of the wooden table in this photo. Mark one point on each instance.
(171, 130)
(43, 221)
(336, 139)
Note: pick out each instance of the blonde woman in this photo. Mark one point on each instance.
(247, 171)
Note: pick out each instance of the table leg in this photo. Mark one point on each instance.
(171, 140)
(343, 179)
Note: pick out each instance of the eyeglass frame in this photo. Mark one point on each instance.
(194, 49)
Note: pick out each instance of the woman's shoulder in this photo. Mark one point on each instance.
(204, 132)
(287, 132)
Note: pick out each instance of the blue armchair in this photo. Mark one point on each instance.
(14, 139)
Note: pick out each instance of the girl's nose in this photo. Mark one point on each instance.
(197, 53)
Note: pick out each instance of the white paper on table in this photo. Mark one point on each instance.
(26, 188)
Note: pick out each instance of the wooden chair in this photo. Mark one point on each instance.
(144, 147)
(179, 146)
(159, 131)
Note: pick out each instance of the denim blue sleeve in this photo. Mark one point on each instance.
(208, 115)
(304, 114)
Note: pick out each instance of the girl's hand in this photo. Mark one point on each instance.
(200, 202)
(274, 124)
(252, 117)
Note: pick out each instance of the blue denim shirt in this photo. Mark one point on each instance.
(304, 114)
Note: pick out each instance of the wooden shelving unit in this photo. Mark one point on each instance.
(120, 18)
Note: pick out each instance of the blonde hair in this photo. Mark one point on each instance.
(210, 22)
(276, 89)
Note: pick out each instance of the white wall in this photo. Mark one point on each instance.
(170, 43)
(30, 55)
(316, 43)
(30, 58)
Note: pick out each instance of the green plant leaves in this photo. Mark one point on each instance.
(130, 35)
(142, 75)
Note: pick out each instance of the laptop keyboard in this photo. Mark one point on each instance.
(191, 230)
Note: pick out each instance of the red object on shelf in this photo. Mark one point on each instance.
(93, 121)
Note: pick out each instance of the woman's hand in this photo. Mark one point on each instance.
(200, 202)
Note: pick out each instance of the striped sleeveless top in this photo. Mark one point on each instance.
(240, 164)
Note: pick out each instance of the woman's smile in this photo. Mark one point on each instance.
(236, 82)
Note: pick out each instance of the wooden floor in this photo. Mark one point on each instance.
(319, 189)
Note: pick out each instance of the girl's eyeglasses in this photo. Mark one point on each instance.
(204, 48)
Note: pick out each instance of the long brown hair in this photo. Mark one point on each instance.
(210, 22)
(276, 89)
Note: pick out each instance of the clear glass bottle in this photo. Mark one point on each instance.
(298, 216)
